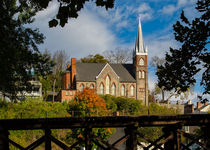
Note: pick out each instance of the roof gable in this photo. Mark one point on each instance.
(90, 71)
(104, 69)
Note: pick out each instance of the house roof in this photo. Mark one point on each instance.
(204, 109)
(89, 71)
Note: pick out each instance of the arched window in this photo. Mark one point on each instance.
(101, 89)
(132, 90)
(107, 85)
(123, 90)
(113, 89)
(141, 62)
(91, 86)
(139, 74)
(81, 87)
(143, 74)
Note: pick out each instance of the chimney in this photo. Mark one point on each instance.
(73, 73)
(68, 66)
(188, 108)
(189, 102)
(199, 105)
(206, 103)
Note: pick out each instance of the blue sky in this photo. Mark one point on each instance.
(97, 30)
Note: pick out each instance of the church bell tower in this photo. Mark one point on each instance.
(140, 67)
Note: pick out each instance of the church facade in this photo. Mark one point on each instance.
(127, 80)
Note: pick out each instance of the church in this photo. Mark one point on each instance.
(126, 80)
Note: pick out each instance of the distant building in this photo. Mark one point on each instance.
(128, 80)
(199, 109)
(36, 89)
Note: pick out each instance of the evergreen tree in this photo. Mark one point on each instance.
(181, 66)
(19, 55)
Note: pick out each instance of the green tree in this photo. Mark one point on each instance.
(19, 54)
(94, 59)
(181, 66)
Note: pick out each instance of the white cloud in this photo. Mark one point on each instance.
(169, 9)
(181, 4)
(48, 13)
(145, 11)
(143, 8)
(80, 37)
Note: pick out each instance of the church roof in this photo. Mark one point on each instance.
(89, 71)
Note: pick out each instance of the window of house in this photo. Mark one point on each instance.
(101, 89)
(132, 90)
(113, 89)
(123, 90)
(107, 85)
(71, 93)
(91, 86)
(81, 87)
(67, 93)
(141, 62)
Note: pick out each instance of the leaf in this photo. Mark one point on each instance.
(53, 23)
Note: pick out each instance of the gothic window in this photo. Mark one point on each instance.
(141, 62)
(139, 74)
(123, 90)
(81, 87)
(113, 89)
(143, 74)
(101, 89)
(132, 90)
(91, 86)
(107, 85)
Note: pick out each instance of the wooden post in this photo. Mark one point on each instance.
(4, 138)
(131, 143)
(88, 138)
(47, 139)
(172, 137)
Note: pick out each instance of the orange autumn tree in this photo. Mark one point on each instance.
(87, 103)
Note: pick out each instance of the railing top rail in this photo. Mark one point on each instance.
(109, 121)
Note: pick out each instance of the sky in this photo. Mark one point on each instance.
(97, 30)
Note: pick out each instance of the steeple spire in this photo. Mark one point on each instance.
(140, 49)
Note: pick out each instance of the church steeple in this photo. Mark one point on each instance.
(140, 49)
(140, 67)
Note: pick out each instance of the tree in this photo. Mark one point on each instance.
(60, 58)
(88, 103)
(94, 59)
(181, 66)
(118, 56)
(67, 8)
(166, 95)
(19, 54)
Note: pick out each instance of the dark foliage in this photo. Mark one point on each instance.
(67, 9)
(19, 55)
(181, 66)
(94, 59)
